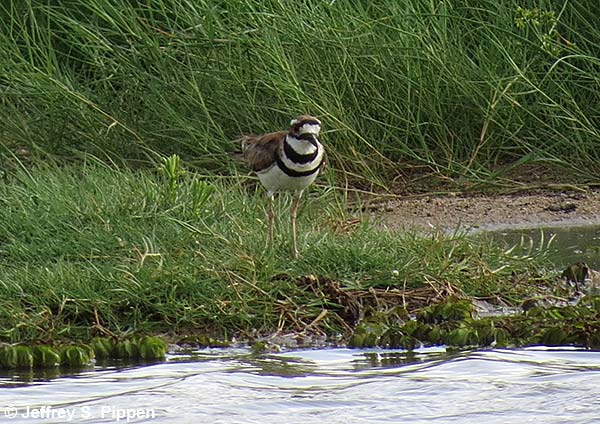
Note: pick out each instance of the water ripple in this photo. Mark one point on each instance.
(331, 385)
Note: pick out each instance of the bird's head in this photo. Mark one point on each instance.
(305, 124)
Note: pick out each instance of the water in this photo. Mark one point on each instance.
(569, 244)
(322, 386)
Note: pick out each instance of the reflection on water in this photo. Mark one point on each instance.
(569, 244)
(325, 385)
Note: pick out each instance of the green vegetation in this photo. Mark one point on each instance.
(453, 88)
(42, 356)
(451, 322)
(91, 250)
(104, 234)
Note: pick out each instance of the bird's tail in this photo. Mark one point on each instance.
(243, 141)
(242, 145)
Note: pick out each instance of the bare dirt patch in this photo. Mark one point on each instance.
(485, 212)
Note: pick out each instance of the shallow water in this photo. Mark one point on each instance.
(321, 386)
(568, 244)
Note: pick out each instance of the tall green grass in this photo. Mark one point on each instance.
(456, 87)
(90, 250)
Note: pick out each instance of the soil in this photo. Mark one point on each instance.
(495, 212)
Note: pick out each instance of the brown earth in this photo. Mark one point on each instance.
(483, 212)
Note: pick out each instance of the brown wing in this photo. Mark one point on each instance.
(260, 152)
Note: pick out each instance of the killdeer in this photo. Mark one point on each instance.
(286, 161)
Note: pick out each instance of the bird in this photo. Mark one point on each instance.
(286, 161)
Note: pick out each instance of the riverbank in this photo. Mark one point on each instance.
(98, 251)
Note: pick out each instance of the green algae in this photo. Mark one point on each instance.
(20, 356)
(202, 340)
(45, 356)
(16, 357)
(452, 322)
(103, 347)
(75, 356)
(151, 348)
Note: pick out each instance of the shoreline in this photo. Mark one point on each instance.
(475, 213)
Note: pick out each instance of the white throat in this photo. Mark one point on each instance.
(302, 147)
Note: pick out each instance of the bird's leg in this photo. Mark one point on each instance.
(293, 213)
(271, 217)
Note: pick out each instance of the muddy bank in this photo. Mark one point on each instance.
(490, 212)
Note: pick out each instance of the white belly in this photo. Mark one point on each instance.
(274, 179)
